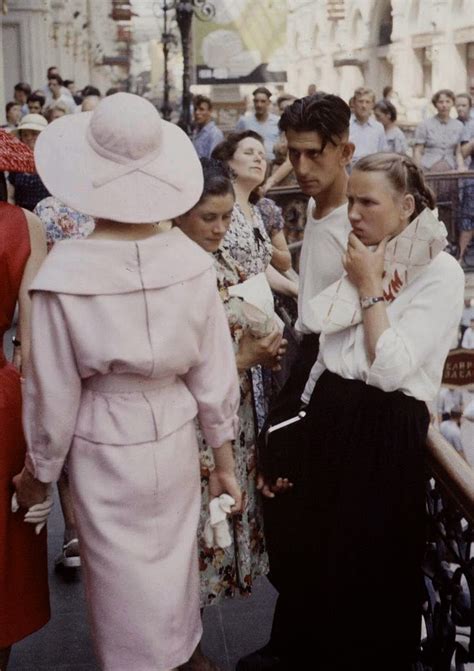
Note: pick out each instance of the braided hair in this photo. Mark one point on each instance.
(404, 176)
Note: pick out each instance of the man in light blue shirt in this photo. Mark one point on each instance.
(365, 132)
(206, 134)
(262, 121)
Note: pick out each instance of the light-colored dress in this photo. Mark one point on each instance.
(128, 347)
(225, 572)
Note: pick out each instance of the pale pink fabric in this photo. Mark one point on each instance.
(130, 342)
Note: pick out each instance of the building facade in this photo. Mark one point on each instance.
(81, 37)
(416, 46)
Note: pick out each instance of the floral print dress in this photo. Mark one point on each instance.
(225, 572)
(248, 243)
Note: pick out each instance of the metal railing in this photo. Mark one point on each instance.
(448, 186)
(448, 608)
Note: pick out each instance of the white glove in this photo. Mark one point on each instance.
(216, 529)
(37, 514)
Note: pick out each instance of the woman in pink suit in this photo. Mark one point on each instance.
(130, 343)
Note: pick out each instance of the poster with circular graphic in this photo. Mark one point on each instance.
(243, 44)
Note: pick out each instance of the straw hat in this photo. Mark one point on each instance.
(120, 162)
(31, 122)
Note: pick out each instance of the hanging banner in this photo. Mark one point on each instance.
(245, 43)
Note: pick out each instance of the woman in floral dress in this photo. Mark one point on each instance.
(225, 572)
(247, 241)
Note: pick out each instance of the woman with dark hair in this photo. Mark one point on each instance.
(387, 326)
(438, 140)
(386, 113)
(247, 240)
(225, 572)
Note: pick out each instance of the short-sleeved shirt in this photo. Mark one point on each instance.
(29, 189)
(368, 137)
(440, 139)
(396, 140)
(267, 129)
(272, 216)
(206, 138)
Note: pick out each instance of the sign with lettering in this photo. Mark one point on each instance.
(459, 369)
(244, 43)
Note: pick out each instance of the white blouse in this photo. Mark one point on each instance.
(409, 355)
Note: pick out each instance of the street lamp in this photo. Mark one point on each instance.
(167, 39)
(185, 10)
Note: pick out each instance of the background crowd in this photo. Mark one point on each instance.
(248, 235)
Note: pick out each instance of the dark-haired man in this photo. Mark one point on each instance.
(12, 114)
(35, 103)
(262, 121)
(21, 92)
(58, 92)
(317, 132)
(206, 134)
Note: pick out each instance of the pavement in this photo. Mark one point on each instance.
(233, 629)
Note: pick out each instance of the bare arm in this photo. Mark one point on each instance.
(467, 148)
(279, 175)
(459, 158)
(281, 257)
(418, 151)
(222, 479)
(37, 255)
(280, 284)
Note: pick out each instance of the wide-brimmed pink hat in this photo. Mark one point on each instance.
(120, 162)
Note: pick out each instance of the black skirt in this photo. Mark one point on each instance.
(360, 514)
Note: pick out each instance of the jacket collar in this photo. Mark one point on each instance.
(98, 267)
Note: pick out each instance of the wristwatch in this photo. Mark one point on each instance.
(368, 301)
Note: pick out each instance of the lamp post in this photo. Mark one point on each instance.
(185, 11)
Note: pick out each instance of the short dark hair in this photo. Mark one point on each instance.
(202, 100)
(36, 98)
(217, 178)
(66, 82)
(443, 92)
(387, 107)
(48, 71)
(90, 91)
(112, 91)
(11, 104)
(386, 90)
(56, 78)
(324, 113)
(264, 90)
(24, 87)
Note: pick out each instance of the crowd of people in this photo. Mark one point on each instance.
(157, 346)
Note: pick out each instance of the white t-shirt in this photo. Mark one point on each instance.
(452, 432)
(409, 355)
(324, 243)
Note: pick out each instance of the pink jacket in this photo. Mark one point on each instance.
(147, 311)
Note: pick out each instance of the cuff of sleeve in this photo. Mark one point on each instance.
(390, 365)
(44, 471)
(217, 435)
